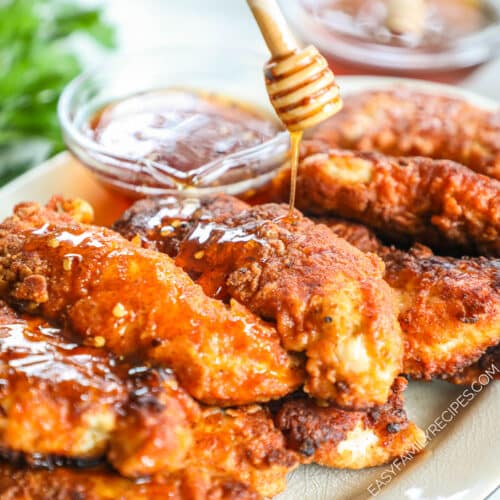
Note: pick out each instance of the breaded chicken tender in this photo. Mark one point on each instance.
(59, 399)
(449, 308)
(243, 443)
(350, 439)
(328, 299)
(21, 483)
(139, 304)
(406, 122)
(63, 403)
(434, 202)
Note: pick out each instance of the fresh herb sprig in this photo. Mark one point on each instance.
(37, 59)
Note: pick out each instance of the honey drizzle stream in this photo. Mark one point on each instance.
(295, 138)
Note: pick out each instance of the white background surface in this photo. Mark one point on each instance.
(149, 23)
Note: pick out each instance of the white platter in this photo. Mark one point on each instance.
(460, 463)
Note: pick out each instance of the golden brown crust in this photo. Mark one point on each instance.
(488, 365)
(449, 309)
(436, 202)
(139, 304)
(405, 122)
(356, 234)
(245, 444)
(17, 483)
(294, 272)
(349, 439)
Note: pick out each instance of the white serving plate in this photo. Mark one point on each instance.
(460, 463)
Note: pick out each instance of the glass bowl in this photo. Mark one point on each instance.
(232, 72)
(350, 34)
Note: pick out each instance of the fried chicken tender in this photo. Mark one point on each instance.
(449, 308)
(61, 400)
(328, 299)
(62, 403)
(21, 483)
(435, 202)
(350, 439)
(241, 443)
(405, 122)
(245, 444)
(139, 304)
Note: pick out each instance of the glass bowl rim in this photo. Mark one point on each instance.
(472, 49)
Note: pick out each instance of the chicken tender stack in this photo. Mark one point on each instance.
(205, 348)
(106, 400)
(328, 299)
(140, 305)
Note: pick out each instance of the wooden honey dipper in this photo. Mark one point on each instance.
(300, 85)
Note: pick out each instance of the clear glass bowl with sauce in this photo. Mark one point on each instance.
(453, 39)
(179, 119)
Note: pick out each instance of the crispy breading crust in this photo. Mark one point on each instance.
(101, 484)
(488, 365)
(405, 122)
(139, 304)
(435, 202)
(327, 298)
(356, 234)
(348, 439)
(244, 443)
(449, 308)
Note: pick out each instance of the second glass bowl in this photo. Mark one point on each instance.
(352, 36)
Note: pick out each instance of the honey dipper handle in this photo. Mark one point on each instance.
(277, 35)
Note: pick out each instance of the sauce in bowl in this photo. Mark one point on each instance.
(180, 129)
(175, 120)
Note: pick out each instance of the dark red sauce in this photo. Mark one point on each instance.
(180, 128)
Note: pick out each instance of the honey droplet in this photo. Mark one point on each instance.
(99, 341)
(119, 310)
(53, 243)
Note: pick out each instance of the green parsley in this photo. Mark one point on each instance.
(37, 59)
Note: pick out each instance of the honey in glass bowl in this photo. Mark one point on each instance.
(192, 121)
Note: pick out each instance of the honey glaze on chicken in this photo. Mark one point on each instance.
(140, 305)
